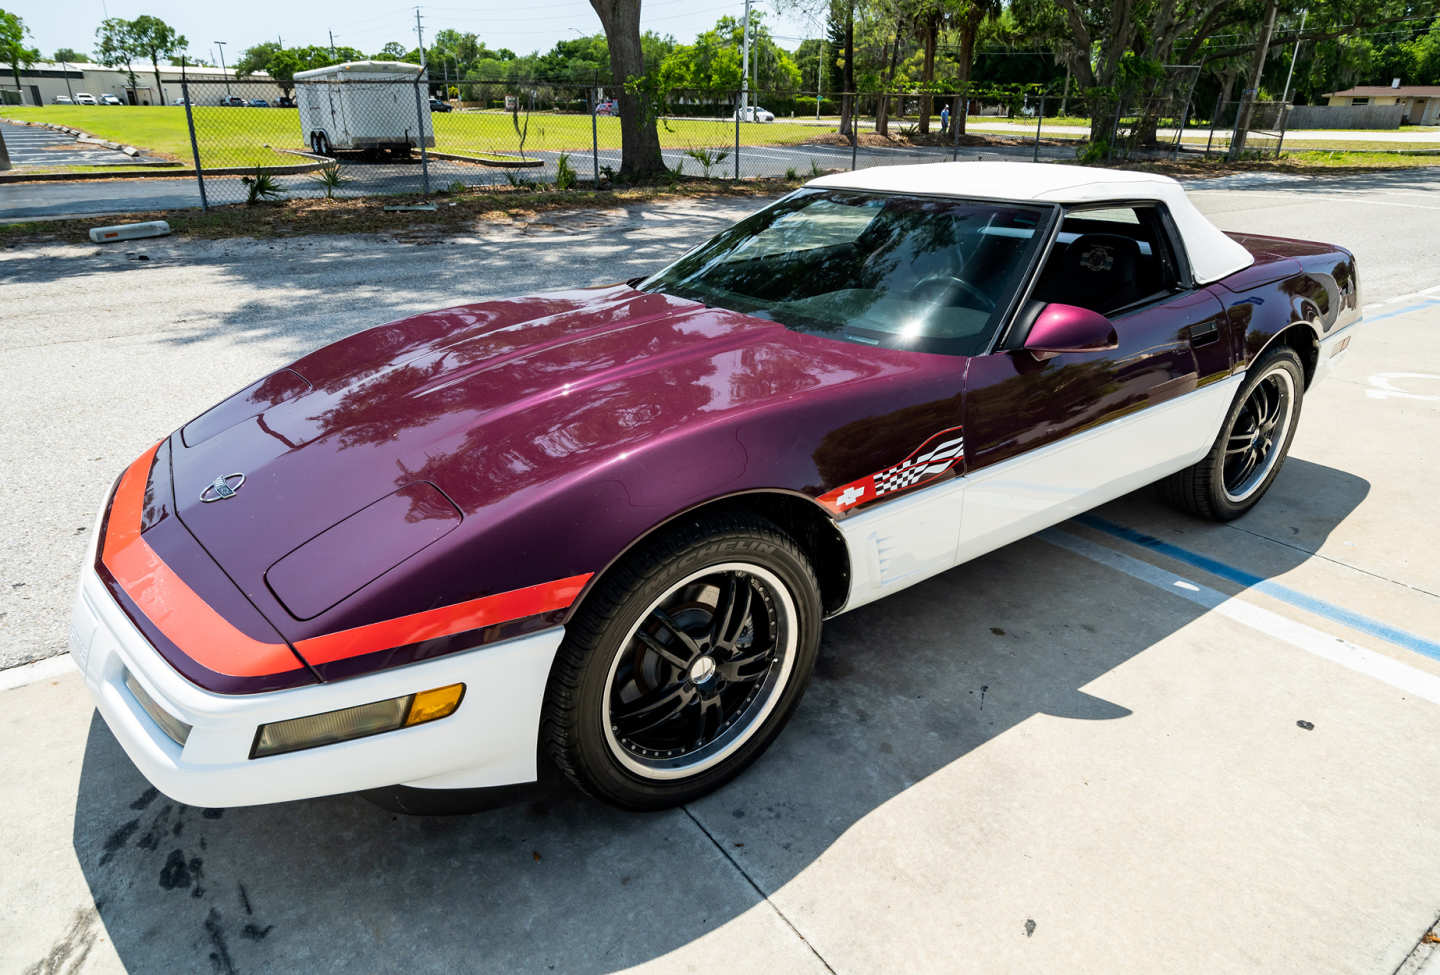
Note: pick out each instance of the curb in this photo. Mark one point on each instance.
(496, 163)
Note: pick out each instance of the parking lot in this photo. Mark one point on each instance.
(30, 145)
(1136, 742)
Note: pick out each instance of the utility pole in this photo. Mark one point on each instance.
(819, 63)
(65, 68)
(223, 73)
(745, 63)
(420, 35)
(332, 44)
(1305, 12)
(1257, 66)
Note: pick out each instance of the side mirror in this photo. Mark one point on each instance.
(1069, 328)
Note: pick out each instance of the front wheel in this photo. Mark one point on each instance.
(684, 663)
(1253, 442)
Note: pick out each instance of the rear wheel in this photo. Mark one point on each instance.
(1252, 446)
(684, 664)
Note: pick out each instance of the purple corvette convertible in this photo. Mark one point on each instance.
(602, 528)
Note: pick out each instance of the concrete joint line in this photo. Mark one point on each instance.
(756, 887)
(1425, 956)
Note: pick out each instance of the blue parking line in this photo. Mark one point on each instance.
(1338, 614)
(1403, 310)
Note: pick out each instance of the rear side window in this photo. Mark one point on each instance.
(1111, 259)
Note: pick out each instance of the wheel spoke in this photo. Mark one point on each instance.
(733, 615)
(659, 648)
(708, 718)
(660, 707)
(685, 639)
(731, 669)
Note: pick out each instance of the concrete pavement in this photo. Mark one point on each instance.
(1137, 742)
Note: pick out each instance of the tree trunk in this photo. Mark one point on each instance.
(159, 88)
(882, 112)
(639, 142)
(966, 65)
(1257, 67)
(4, 154)
(930, 39)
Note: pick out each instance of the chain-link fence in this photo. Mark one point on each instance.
(411, 137)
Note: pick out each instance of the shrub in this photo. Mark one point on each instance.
(565, 176)
(708, 158)
(261, 186)
(330, 179)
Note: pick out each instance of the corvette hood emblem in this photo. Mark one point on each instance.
(222, 487)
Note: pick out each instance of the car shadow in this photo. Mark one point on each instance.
(903, 689)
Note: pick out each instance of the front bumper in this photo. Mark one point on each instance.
(490, 740)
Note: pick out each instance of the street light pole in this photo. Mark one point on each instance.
(223, 73)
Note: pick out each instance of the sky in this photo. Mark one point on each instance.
(369, 24)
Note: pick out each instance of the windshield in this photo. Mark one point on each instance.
(897, 271)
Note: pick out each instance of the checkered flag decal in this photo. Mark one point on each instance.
(924, 464)
(934, 461)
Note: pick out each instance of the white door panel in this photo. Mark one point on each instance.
(908, 540)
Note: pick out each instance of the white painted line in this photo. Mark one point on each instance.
(1387, 670)
(36, 671)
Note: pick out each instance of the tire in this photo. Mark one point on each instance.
(648, 714)
(1221, 487)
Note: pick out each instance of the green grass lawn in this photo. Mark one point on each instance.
(249, 136)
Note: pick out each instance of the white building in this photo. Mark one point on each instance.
(44, 81)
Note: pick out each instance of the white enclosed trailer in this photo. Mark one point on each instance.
(367, 105)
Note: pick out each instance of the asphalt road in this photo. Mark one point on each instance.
(1143, 743)
(38, 201)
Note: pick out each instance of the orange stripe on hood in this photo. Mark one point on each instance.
(213, 642)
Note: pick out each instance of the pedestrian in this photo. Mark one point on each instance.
(944, 119)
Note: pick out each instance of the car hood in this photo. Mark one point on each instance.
(425, 428)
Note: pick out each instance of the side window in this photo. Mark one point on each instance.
(1110, 259)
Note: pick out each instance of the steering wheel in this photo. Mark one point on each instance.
(952, 281)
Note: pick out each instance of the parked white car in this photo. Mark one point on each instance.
(754, 113)
(84, 98)
(109, 99)
(64, 100)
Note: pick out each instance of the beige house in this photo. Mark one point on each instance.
(1420, 103)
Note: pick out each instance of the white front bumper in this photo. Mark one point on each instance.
(489, 740)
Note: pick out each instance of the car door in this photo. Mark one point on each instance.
(1050, 436)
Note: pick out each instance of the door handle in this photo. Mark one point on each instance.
(1204, 334)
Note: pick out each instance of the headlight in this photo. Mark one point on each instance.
(360, 721)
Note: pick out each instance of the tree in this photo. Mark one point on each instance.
(393, 51)
(115, 45)
(156, 39)
(12, 44)
(639, 141)
(70, 55)
(281, 63)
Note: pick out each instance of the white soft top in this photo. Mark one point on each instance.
(1212, 254)
(382, 69)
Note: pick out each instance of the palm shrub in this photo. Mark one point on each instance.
(261, 186)
(708, 158)
(330, 179)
